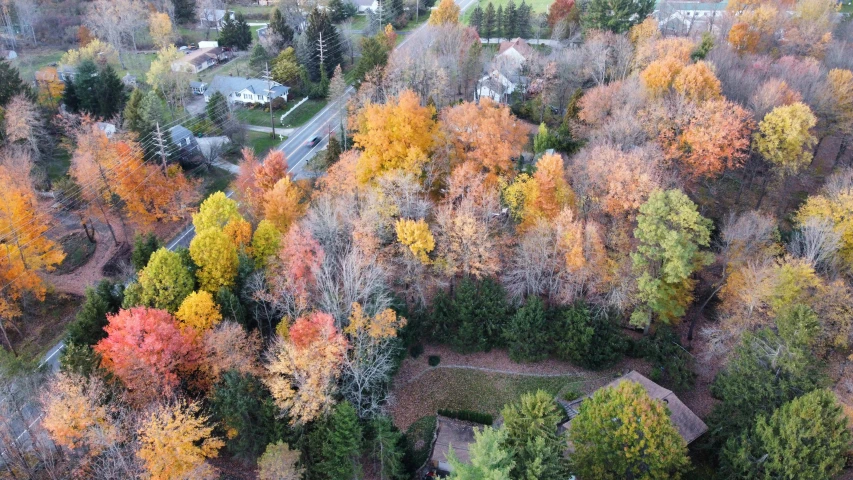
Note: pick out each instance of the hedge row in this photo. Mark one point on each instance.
(468, 416)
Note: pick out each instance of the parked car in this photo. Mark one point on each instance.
(313, 142)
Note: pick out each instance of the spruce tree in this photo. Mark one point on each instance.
(320, 25)
(280, 28)
(386, 446)
(69, 97)
(526, 335)
(341, 444)
(532, 438)
(184, 10)
(111, 96)
(489, 22)
(259, 58)
(244, 405)
(510, 20)
(88, 325)
(523, 19)
(11, 83)
(244, 32)
(615, 15)
(143, 247)
(86, 86)
(499, 22)
(132, 116)
(477, 20)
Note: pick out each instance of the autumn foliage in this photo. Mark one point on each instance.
(146, 349)
(303, 368)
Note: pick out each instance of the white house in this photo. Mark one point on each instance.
(198, 88)
(245, 90)
(365, 5)
(496, 86)
(201, 59)
(211, 18)
(684, 17)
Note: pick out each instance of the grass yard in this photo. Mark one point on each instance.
(847, 8)
(538, 6)
(193, 36)
(259, 117)
(253, 12)
(261, 142)
(138, 64)
(58, 164)
(238, 67)
(461, 389)
(28, 62)
(214, 180)
(303, 113)
(359, 22)
(422, 19)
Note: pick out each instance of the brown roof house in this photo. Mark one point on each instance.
(688, 424)
(451, 434)
(515, 52)
(201, 59)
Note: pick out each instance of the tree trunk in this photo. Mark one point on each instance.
(6, 337)
(763, 191)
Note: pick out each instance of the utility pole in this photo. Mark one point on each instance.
(322, 46)
(268, 77)
(161, 147)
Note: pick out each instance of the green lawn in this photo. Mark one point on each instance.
(303, 113)
(259, 117)
(538, 6)
(214, 180)
(193, 36)
(261, 142)
(238, 67)
(138, 64)
(253, 13)
(847, 8)
(422, 19)
(459, 389)
(28, 63)
(359, 22)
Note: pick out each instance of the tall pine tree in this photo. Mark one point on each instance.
(477, 20)
(110, 93)
(184, 10)
(282, 31)
(499, 22)
(323, 42)
(510, 20)
(489, 21)
(86, 86)
(523, 20)
(341, 446)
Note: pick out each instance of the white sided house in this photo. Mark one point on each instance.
(245, 90)
(496, 86)
(367, 5)
(514, 53)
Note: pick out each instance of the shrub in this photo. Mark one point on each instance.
(468, 416)
(434, 360)
(416, 350)
(572, 394)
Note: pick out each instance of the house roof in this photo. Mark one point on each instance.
(363, 3)
(519, 45)
(197, 84)
(452, 434)
(228, 85)
(689, 425)
(697, 6)
(198, 57)
(179, 133)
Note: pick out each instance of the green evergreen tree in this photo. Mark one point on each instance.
(86, 86)
(510, 23)
(704, 48)
(387, 448)
(244, 405)
(761, 375)
(442, 319)
(374, 53)
(11, 83)
(396, 12)
(132, 115)
(279, 27)
(69, 97)
(523, 20)
(807, 437)
(111, 96)
(526, 335)
(143, 247)
(537, 450)
(333, 151)
(217, 110)
(489, 21)
(615, 15)
(590, 339)
(88, 325)
(341, 447)
(481, 314)
(235, 32)
(500, 22)
(244, 32)
(231, 308)
(543, 140)
(319, 24)
(184, 11)
(476, 20)
(259, 59)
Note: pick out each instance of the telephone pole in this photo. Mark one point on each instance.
(268, 77)
(322, 46)
(161, 147)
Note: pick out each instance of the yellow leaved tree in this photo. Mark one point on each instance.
(199, 311)
(415, 234)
